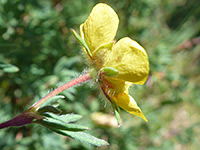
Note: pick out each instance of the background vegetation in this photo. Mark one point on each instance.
(35, 37)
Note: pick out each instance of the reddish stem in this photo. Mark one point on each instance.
(27, 116)
(17, 121)
(60, 89)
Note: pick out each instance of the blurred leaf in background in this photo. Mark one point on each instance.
(37, 44)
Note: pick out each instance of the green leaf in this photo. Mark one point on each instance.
(49, 109)
(117, 113)
(64, 118)
(56, 124)
(83, 137)
(9, 68)
(80, 40)
(52, 99)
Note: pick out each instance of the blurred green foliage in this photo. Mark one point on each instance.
(36, 39)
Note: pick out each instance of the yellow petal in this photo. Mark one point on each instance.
(130, 59)
(126, 102)
(100, 27)
(100, 54)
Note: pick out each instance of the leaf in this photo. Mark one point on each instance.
(117, 114)
(64, 118)
(81, 41)
(52, 99)
(48, 109)
(83, 137)
(9, 68)
(56, 124)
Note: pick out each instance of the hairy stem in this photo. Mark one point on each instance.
(60, 89)
(27, 116)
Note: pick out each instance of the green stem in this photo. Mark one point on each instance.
(74, 82)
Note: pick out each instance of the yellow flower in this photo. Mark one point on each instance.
(126, 56)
